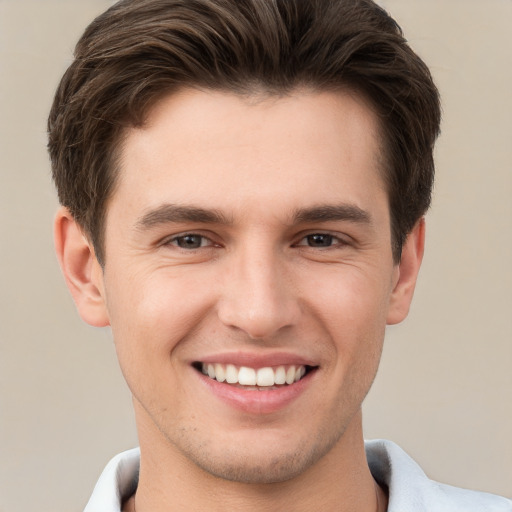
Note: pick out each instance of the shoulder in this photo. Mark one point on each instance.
(411, 489)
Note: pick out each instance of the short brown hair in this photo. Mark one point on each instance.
(140, 50)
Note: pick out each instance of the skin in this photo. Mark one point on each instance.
(257, 285)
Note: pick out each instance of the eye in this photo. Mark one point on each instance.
(190, 241)
(319, 240)
(322, 241)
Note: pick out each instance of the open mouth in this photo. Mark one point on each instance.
(254, 378)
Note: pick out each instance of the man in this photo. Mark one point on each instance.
(243, 188)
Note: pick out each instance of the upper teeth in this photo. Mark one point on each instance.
(246, 376)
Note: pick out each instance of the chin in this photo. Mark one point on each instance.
(254, 463)
(255, 470)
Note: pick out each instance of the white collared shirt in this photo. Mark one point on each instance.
(410, 490)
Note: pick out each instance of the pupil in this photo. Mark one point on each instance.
(320, 240)
(189, 242)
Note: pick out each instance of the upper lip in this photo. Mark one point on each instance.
(254, 360)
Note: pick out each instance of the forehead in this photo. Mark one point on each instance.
(217, 149)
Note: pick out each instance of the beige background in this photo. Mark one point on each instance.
(444, 388)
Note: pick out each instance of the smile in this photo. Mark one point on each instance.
(261, 386)
(252, 378)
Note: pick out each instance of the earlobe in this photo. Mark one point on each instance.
(408, 269)
(81, 269)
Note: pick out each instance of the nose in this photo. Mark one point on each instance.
(258, 296)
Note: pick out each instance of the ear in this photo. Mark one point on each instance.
(83, 273)
(407, 273)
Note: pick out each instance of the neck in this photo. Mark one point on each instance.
(339, 482)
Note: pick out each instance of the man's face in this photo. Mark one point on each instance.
(253, 234)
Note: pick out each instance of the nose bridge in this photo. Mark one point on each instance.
(258, 297)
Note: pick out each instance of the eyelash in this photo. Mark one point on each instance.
(333, 241)
(175, 240)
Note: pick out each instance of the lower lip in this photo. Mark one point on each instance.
(254, 401)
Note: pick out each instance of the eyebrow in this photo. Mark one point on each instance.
(173, 213)
(169, 213)
(326, 213)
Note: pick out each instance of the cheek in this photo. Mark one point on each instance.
(353, 302)
(150, 314)
(353, 311)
